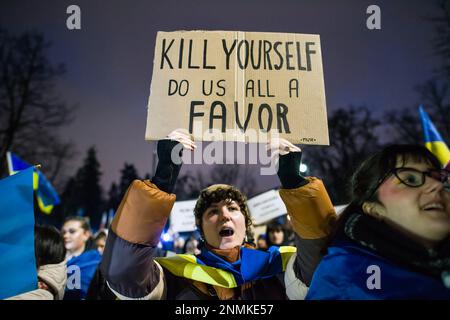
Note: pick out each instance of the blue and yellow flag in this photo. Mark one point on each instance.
(46, 195)
(17, 258)
(433, 140)
(212, 269)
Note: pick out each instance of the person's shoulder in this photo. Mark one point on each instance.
(342, 273)
(349, 260)
(94, 254)
(87, 256)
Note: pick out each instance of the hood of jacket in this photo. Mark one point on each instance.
(55, 276)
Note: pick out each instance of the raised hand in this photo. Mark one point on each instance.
(281, 146)
(183, 137)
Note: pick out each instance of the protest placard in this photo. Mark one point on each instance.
(182, 217)
(266, 206)
(238, 86)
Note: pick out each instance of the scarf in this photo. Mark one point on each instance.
(395, 246)
(230, 270)
(250, 264)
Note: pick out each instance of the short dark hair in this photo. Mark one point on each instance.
(376, 167)
(100, 235)
(84, 222)
(49, 245)
(274, 226)
(217, 193)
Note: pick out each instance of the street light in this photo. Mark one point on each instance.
(303, 168)
(166, 237)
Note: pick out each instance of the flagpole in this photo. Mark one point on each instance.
(9, 162)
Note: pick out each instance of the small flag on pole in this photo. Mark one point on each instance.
(46, 195)
(433, 140)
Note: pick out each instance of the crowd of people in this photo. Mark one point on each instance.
(391, 242)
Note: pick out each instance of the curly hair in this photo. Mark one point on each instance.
(221, 192)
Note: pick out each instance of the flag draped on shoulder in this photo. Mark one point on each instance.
(46, 195)
(433, 140)
(17, 258)
(212, 269)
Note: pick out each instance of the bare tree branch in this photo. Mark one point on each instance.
(30, 110)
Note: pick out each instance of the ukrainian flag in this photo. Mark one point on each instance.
(18, 272)
(433, 140)
(209, 268)
(46, 195)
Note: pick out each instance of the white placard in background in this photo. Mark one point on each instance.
(182, 218)
(266, 206)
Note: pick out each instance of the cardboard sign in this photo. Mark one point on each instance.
(266, 206)
(238, 86)
(182, 217)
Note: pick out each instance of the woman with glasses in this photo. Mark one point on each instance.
(392, 241)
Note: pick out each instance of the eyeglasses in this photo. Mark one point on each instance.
(414, 178)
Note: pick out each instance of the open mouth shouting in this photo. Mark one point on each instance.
(226, 232)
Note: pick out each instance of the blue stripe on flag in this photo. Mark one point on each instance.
(17, 258)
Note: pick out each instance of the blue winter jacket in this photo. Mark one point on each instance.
(350, 271)
(87, 263)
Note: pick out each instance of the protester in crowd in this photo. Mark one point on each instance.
(51, 266)
(392, 241)
(276, 235)
(261, 243)
(100, 240)
(224, 223)
(82, 259)
(191, 246)
(178, 244)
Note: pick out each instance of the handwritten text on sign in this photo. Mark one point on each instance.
(235, 83)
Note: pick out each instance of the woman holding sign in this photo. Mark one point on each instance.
(228, 266)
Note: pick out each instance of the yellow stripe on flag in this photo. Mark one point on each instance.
(45, 209)
(185, 265)
(440, 150)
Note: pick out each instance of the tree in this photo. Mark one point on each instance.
(188, 186)
(113, 197)
(69, 199)
(441, 41)
(237, 175)
(147, 176)
(116, 192)
(128, 174)
(352, 138)
(88, 196)
(434, 93)
(404, 126)
(53, 154)
(30, 112)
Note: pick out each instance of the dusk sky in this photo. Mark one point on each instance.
(109, 61)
